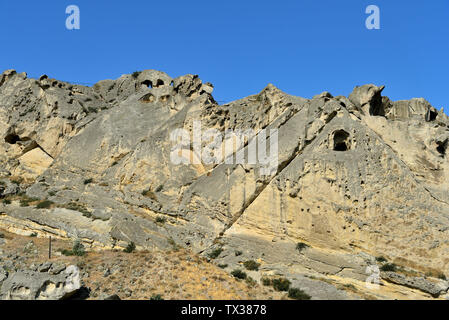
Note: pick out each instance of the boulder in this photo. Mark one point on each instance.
(32, 285)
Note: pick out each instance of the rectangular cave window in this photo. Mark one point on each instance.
(341, 141)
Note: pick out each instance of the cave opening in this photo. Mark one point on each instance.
(442, 147)
(341, 141)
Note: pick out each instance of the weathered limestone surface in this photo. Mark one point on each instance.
(358, 177)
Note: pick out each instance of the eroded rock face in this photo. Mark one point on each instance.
(41, 285)
(357, 177)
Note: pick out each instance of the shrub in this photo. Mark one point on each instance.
(214, 254)
(442, 276)
(381, 259)
(266, 281)
(67, 252)
(251, 265)
(130, 248)
(87, 181)
(281, 284)
(24, 203)
(160, 220)
(33, 235)
(301, 246)
(2, 236)
(222, 266)
(238, 253)
(51, 193)
(6, 201)
(135, 74)
(298, 294)
(250, 282)
(156, 297)
(44, 204)
(76, 207)
(388, 267)
(239, 274)
(78, 248)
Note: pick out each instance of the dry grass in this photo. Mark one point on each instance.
(140, 275)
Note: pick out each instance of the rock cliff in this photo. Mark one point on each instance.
(359, 181)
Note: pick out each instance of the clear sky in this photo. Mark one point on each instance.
(303, 47)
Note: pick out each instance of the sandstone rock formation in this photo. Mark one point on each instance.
(358, 177)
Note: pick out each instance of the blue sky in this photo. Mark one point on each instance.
(303, 47)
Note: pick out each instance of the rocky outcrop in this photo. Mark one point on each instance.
(47, 283)
(356, 177)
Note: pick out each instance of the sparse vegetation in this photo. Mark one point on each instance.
(222, 266)
(135, 74)
(389, 267)
(298, 294)
(160, 220)
(77, 249)
(88, 181)
(281, 284)
(381, 259)
(76, 207)
(441, 276)
(214, 254)
(239, 274)
(156, 297)
(250, 281)
(44, 204)
(130, 248)
(301, 246)
(238, 253)
(33, 235)
(251, 265)
(6, 201)
(266, 282)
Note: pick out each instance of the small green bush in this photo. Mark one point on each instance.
(281, 284)
(67, 252)
(78, 248)
(87, 181)
(250, 282)
(24, 203)
(381, 259)
(6, 201)
(442, 276)
(266, 282)
(160, 220)
(298, 294)
(156, 297)
(135, 74)
(251, 265)
(238, 253)
(222, 266)
(130, 248)
(44, 204)
(301, 246)
(239, 274)
(214, 254)
(388, 267)
(33, 235)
